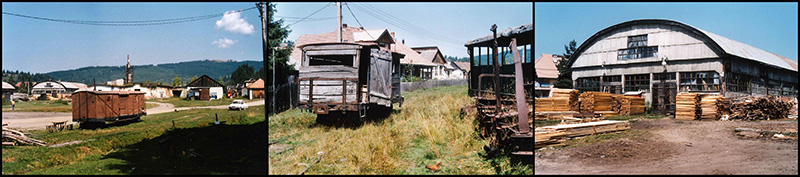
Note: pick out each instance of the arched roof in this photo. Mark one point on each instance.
(720, 45)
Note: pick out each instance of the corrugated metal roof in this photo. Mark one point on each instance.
(749, 52)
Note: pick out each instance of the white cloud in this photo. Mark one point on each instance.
(224, 43)
(232, 21)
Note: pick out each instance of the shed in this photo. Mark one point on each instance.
(256, 89)
(8, 89)
(205, 88)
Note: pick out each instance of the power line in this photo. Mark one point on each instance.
(410, 25)
(323, 7)
(128, 23)
(359, 23)
(398, 23)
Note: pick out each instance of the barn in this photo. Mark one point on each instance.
(204, 88)
(664, 57)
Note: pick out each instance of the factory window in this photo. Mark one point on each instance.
(737, 83)
(700, 81)
(612, 84)
(588, 84)
(636, 41)
(637, 52)
(662, 76)
(639, 82)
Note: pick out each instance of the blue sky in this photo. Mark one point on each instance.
(768, 26)
(458, 21)
(43, 46)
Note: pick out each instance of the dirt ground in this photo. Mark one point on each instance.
(678, 147)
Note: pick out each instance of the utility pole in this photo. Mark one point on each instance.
(339, 21)
(263, 13)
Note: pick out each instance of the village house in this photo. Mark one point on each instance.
(547, 73)
(203, 88)
(461, 69)
(443, 68)
(256, 89)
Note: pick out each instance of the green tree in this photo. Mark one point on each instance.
(242, 73)
(146, 83)
(277, 33)
(564, 71)
(176, 81)
(261, 73)
(191, 80)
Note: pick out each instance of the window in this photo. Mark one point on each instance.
(346, 60)
(700, 81)
(612, 84)
(637, 48)
(638, 52)
(662, 76)
(636, 41)
(639, 82)
(588, 84)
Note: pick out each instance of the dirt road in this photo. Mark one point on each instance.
(38, 120)
(678, 147)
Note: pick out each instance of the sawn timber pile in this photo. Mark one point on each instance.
(627, 105)
(709, 108)
(551, 104)
(687, 106)
(572, 94)
(762, 108)
(595, 101)
(545, 136)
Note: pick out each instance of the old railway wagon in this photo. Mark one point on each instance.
(99, 107)
(348, 77)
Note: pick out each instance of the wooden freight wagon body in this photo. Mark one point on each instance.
(107, 106)
(348, 77)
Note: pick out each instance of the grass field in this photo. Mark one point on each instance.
(178, 102)
(194, 146)
(40, 106)
(426, 130)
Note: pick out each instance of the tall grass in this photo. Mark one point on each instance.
(426, 130)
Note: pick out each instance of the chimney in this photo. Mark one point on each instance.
(344, 25)
(392, 34)
(404, 41)
(361, 27)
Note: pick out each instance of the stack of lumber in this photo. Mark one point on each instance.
(627, 105)
(545, 136)
(595, 101)
(761, 108)
(616, 102)
(708, 107)
(687, 106)
(553, 115)
(551, 104)
(19, 137)
(723, 106)
(572, 94)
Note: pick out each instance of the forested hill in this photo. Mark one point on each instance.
(164, 73)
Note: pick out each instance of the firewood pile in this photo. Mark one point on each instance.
(595, 101)
(552, 104)
(762, 108)
(687, 106)
(616, 102)
(18, 137)
(572, 94)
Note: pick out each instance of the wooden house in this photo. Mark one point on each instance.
(204, 88)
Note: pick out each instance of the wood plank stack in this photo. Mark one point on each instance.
(572, 94)
(595, 101)
(627, 105)
(762, 108)
(687, 106)
(551, 104)
(708, 107)
(723, 106)
(549, 135)
(616, 102)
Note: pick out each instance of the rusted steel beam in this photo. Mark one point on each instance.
(522, 107)
(496, 69)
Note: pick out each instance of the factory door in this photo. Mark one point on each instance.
(664, 98)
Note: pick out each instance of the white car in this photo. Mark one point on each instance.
(237, 104)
